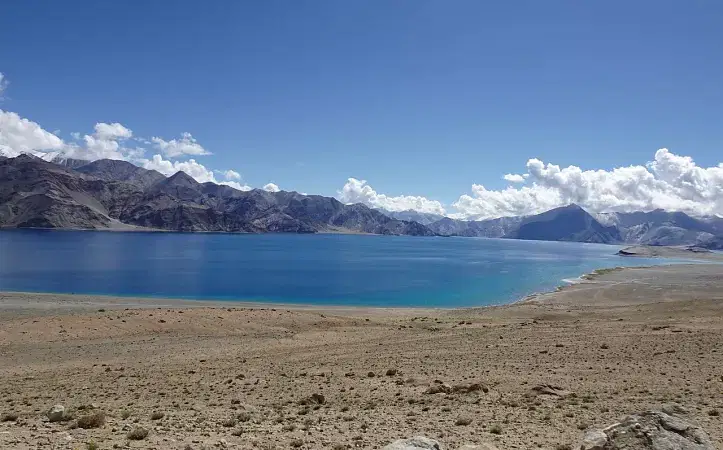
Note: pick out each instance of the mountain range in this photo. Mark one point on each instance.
(111, 194)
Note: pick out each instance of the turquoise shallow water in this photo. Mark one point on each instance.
(288, 268)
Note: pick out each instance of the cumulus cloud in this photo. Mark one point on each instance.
(358, 191)
(271, 187)
(231, 175)
(19, 135)
(670, 182)
(236, 185)
(110, 131)
(515, 178)
(197, 171)
(186, 145)
(194, 169)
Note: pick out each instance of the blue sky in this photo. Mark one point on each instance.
(418, 97)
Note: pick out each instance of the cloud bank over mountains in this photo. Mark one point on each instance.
(669, 181)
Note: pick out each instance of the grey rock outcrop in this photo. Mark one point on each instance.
(650, 430)
(415, 443)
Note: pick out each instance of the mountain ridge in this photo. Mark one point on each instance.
(110, 194)
(105, 193)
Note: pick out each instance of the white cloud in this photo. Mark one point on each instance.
(3, 84)
(669, 182)
(271, 187)
(110, 131)
(236, 185)
(167, 167)
(19, 135)
(358, 191)
(231, 175)
(186, 145)
(195, 170)
(514, 178)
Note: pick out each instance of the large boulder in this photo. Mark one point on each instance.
(415, 443)
(651, 430)
(56, 413)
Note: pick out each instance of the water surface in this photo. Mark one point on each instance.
(289, 268)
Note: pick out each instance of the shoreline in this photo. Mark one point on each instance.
(91, 300)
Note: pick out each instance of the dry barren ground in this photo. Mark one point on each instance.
(524, 376)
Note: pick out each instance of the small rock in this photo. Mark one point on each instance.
(56, 413)
(439, 389)
(482, 446)
(415, 443)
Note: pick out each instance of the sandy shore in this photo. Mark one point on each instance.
(230, 375)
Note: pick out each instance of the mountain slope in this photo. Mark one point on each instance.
(412, 215)
(568, 223)
(493, 228)
(115, 170)
(36, 193)
(103, 194)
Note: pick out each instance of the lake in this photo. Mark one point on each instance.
(323, 269)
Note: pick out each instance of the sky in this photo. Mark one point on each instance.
(466, 108)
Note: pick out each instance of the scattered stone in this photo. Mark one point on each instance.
(391, 372)
(415, 443)
(548, 389)
(440, 388)
(56, 413)
(467, 388)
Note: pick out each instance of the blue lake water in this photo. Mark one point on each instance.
(288, 268)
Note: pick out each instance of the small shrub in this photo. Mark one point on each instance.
(137, 434)
(92, 446)
(157, 415)
(496, 429)
(463, 421)
(95, 420)
(9, 417)
(125, 414)
(714, 413)
(228, 423)
(243, 416)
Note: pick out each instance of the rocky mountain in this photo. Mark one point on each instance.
(714, 243)
(115, 194)
(493, 228)
(568, 223)
(412, 215)
(115, 170)
(660, 227)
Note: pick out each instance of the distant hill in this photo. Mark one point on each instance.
(660, 227)
(493, 228)
(568, 223)
(116, 194)
(410, 214)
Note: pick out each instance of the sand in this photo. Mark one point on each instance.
(231, 375)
